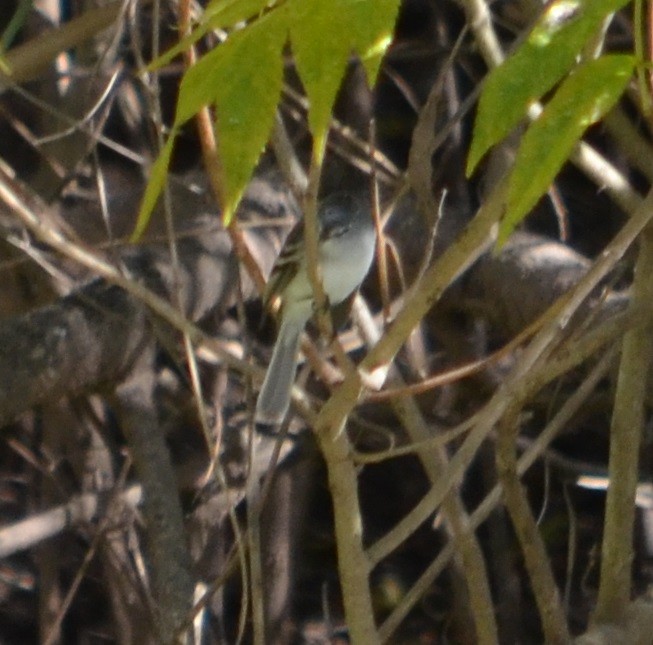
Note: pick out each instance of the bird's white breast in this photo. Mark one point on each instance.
(344, 262)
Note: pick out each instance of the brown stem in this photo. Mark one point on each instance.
(547, 596)
(172, 581)
(625, 438)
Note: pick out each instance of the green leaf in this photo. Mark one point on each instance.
(325, 34)
(183, 45)
(219, 14)
(224, 13)
(372, 26)
(158, 174)
(539, 63)
(246, 57)
(246, 106)
(242, 78)
(581, 100)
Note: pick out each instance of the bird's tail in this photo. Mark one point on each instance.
(274, 398)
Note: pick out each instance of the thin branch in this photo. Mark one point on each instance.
(545, 590)
(353, 565)
(434, 460)
(455, 515)
(519, 377)
(423, 296)
(625, 438)
(493, 499)
(81, 509)
(28, 60)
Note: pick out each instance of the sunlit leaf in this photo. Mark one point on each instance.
(242, 79)
(325, 34)
(183, 45)
(219, 14)
(158, 174)
(225, 13)
(539, 63)
(581, 100)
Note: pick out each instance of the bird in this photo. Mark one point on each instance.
(346, 246)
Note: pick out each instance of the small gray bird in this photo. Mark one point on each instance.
(345, 252)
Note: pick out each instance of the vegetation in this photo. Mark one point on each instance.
(466, 460)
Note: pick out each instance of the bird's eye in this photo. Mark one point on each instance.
(337, 231)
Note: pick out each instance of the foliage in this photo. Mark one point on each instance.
(393, 462)
(242, 77)
(581, 100)
(548, 54)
